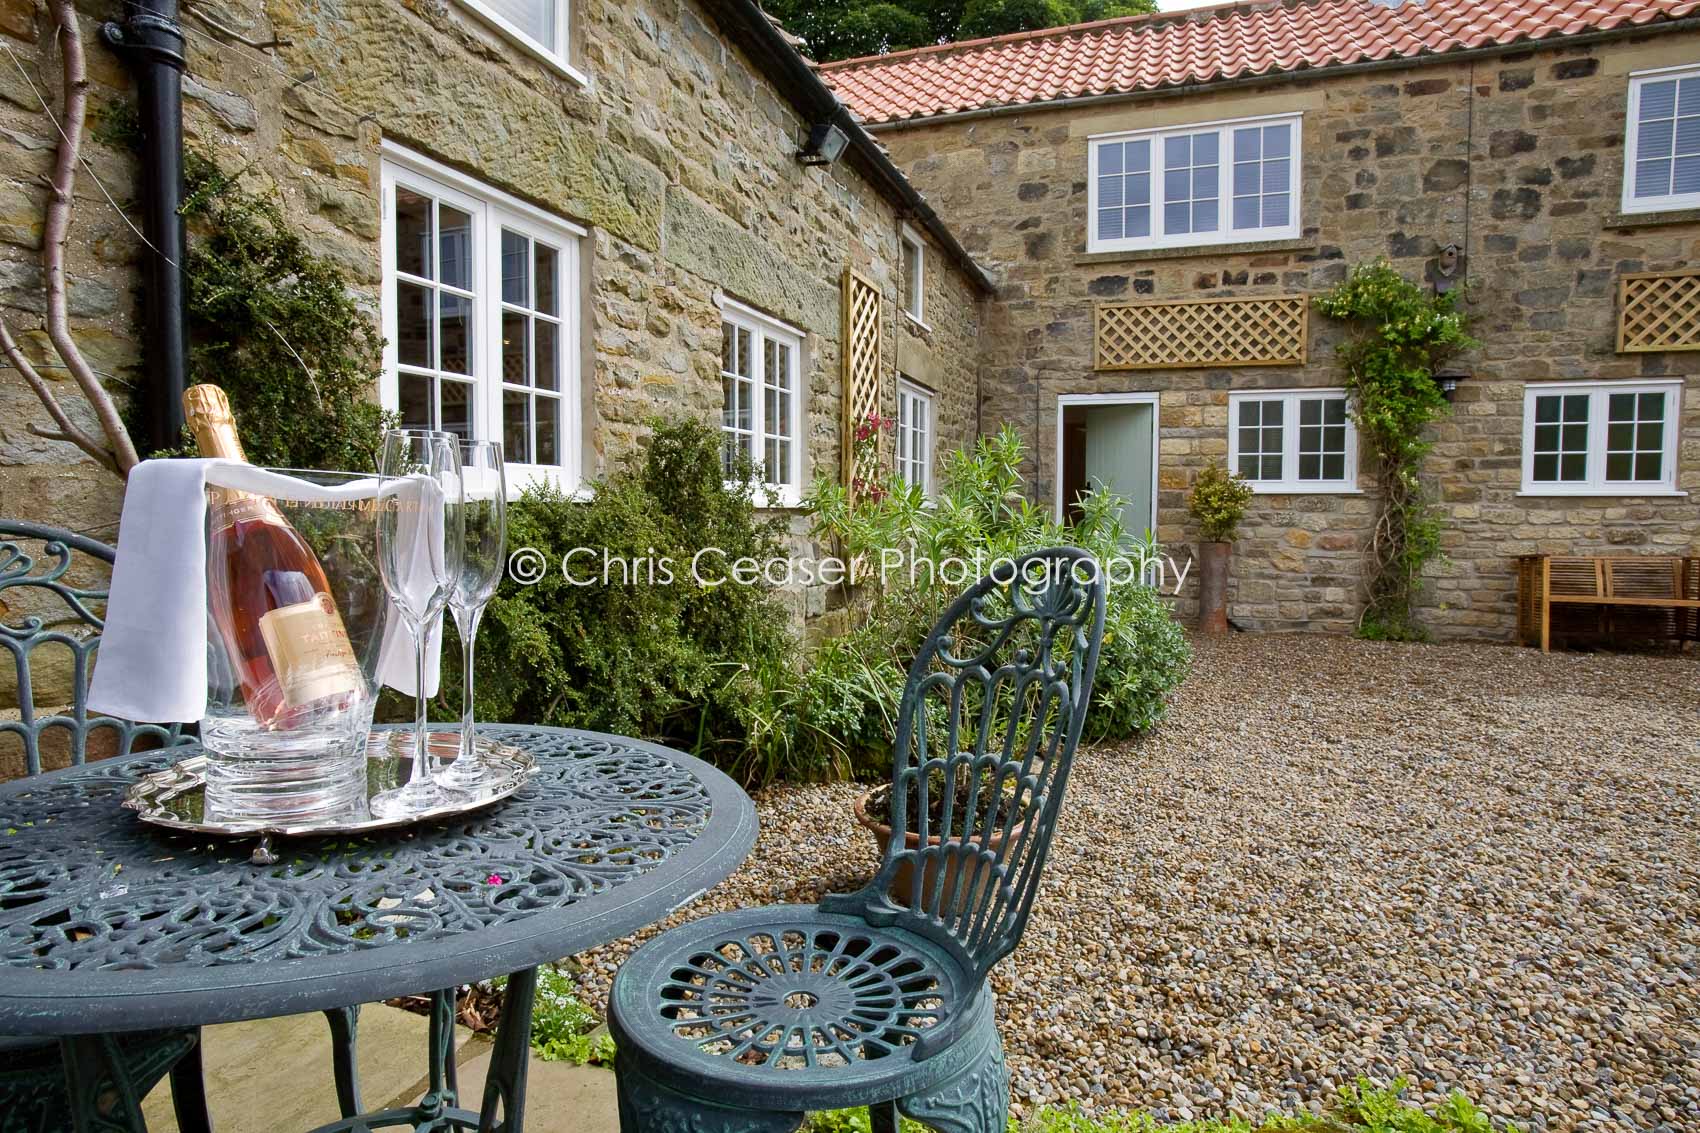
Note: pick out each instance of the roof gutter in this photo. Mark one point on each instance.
(781, 62)
(1398, 62)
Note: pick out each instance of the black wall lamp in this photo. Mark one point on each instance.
(825, 145)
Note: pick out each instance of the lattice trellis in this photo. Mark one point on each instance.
(861, 348)
(1658, 310)
(1268, 331)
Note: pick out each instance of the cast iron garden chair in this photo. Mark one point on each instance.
(742, 1022)
(45, 606)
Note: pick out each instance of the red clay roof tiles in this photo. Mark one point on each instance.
(1224, 42)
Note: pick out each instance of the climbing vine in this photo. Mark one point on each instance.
(1400, 335)
(275, 324)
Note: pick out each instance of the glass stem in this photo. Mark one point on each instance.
(421, 750)
(468, 634)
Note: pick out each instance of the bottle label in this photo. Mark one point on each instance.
(309, 651)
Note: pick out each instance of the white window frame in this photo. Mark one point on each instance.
(1290, 484)
(910, 399)
(1225, 233)
(1596, 483)
(491, 211)
(913, 249)
(1632, 140)
(556, 54)
(763, 326)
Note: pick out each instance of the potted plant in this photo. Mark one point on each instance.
(1218, 502)
(969, 801)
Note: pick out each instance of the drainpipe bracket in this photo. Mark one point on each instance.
(146, 36)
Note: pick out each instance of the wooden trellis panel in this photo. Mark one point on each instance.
(1176, 333)
(861, 349)
(1658, 310)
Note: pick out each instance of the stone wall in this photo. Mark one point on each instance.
(1517, 158)
(677, 155)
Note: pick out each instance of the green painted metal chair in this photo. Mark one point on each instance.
(742, 1022)
(46, 607)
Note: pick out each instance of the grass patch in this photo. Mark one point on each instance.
(1359, 1108)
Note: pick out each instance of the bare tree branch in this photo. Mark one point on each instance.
(68, 430)
(120, 452)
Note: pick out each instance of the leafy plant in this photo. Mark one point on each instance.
(277, 326)
(1218, 501)
(563, 1029)
(1359, 1108)
(1401, 334)
(978, 516)
(613, 641)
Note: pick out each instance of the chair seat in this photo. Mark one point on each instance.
(790, 1008)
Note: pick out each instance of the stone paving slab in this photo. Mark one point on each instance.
(274, 1075)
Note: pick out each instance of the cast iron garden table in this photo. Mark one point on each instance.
(108, 925)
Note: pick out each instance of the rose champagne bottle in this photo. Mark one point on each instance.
(267, 592)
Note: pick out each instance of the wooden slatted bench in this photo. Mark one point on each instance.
(1607, 596)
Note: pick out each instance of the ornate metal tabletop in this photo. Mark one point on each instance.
(108, 924)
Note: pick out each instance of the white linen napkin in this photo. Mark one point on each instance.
(152, 662)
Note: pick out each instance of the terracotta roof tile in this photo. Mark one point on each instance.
(1224, 42)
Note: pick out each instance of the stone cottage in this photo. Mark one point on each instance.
(1156, 197)
(568, 217)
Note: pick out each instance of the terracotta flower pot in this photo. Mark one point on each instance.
(902, 884)
(1213, 561)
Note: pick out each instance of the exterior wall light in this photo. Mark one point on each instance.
(1448, 381)
(825, 145)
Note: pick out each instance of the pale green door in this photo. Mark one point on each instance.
(1118, 444)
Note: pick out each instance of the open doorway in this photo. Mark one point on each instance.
(1108, 440)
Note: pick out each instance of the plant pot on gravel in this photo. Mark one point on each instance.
(873, 812)
(1218, 502)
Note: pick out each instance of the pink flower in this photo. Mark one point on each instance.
(493, 879)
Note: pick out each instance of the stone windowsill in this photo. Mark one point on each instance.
(1241, 248)
(1623, 220)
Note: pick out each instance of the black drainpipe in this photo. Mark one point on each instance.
(150, 41)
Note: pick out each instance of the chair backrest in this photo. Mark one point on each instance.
(990, 718)
(44, 607)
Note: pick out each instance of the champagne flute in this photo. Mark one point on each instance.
(419, 554)
(483, 555)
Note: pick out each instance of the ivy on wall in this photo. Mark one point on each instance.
(277, 326)
(1400, 334)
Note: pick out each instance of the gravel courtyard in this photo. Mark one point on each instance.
(1475, 866)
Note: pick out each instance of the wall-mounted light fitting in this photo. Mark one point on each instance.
(826, 144)
(1448, 381)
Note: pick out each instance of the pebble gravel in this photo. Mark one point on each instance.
(1471, 865)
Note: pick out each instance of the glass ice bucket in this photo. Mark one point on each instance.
(296, 619)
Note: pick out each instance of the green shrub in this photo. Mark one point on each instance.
(979, 514)
(692, 665)
(1218, 502)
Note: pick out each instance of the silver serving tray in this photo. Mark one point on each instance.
(176, 796)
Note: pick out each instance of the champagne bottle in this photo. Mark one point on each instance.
(267, 592)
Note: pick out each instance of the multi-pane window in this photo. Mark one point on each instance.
(914, 277)
(531, 349)
(1616, 438)
(1293, 440)
(1661, 168)
(1263, 176)
(479, 314)
(1212, 183)
(761, 408)
(1192, 168)
(914, 435)
(539, 24)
